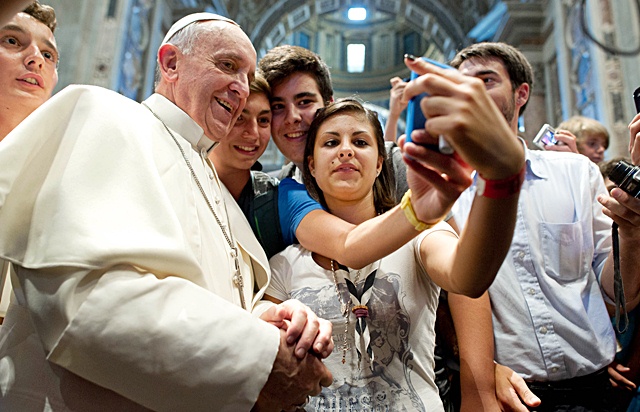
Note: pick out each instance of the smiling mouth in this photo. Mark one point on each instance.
(295, 135)
(31, 80)
(227, 106)
(248, 149)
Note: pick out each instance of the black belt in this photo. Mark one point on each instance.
(594, 379)
(592, 393)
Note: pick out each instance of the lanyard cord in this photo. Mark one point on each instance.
(618, 286)
(237, 278)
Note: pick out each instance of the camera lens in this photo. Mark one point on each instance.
(627, 177)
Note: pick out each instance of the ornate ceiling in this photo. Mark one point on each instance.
(434, 28)
(268, 22)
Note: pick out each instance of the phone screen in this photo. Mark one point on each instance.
(548, 138)
(545, 137)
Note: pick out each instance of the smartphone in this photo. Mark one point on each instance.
(636, 99)
(415, 117)
(545, 137)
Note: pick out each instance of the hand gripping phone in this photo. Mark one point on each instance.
(545, 137)
(415, 117)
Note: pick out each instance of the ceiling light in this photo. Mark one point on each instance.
(357, 13)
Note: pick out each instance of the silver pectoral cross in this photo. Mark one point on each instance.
(237, 278)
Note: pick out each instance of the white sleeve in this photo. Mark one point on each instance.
(76, 239)
(281, 271)
(167, 344)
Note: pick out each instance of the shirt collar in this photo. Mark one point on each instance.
(178, 120)
(533, 168)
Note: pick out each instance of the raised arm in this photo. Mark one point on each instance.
(355, 245)
(465, 113)
(396, 106)
(460, 108)
(358, 245)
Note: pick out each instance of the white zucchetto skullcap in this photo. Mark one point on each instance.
(192, 18)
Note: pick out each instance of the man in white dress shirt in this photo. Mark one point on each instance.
(137, 279)
(550, 321)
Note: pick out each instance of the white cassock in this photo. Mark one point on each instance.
(124, 297)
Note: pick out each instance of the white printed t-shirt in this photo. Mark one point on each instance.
(402, 311)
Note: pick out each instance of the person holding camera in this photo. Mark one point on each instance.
(591, 136)
(551, 327)
(578, 134)
(624, 371)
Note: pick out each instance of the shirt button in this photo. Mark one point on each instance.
(217, 200)
(531, 291)
(521, 255)
(554, 369)
(543, 330)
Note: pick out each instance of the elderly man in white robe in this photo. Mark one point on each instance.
(137, 279)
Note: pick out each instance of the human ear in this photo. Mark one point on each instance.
(168, 56)
(522, 94)
(379, 165)
(312, 169)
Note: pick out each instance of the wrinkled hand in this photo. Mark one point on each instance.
(617, 376)
(634, 139)
(292, 379)
(567, 142)
(460, 108)
(396, 103)
(301, 326)
(512, 391)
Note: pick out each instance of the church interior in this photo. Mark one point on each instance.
(584, 52)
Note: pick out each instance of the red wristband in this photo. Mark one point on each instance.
(500, 188)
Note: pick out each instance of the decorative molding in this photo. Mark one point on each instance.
(327, 6)
(299, 16)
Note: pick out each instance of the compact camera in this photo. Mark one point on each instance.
(545, 137)
(415, 117)
(627, 177)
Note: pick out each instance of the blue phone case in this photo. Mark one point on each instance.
(415, 118)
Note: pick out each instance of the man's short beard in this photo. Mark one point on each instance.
(509, 109)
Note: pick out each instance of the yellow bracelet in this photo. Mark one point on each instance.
(410, 214)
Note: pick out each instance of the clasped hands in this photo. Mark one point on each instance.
(298, 371)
